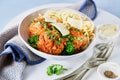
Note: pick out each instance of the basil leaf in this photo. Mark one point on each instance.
(69, 49)
(33, 41)
(50, 71)
(55, 69)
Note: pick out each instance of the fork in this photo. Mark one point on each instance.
(98, 49)
(91, 64)
(103, 56)
(87, 65)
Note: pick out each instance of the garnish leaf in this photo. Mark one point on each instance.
(69, 49)
(69, 27)
(43, 24)
(70, 37)
(33, 41)
(55, 69)
(50, 70)
(32, 20)
(59, 41)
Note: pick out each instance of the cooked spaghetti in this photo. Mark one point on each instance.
(63, 32)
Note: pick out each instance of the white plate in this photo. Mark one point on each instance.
(38, 72)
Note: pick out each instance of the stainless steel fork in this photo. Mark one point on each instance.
(105, 51)
(97, 58)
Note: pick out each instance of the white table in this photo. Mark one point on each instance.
(37, 72)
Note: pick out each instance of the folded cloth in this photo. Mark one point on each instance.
(89, 8)
(14, 51)
(14, 56)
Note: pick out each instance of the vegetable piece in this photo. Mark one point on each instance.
(70, 37)
(53, 37)
(50, 71)
(33, 41)
(59, 41)
(62, 28)
(43, 24)
(69, 50)
(80, 39)
(32, 20)
(75, 23)
(69, 27)
(55, 69)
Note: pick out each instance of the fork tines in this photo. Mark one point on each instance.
(108, 48)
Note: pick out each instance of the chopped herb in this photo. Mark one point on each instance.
(49, 33)
(66, 36)
(34, 45)
(70, 37)
(55, 69)
(80, 39)
(47, 29)
(69, 49)
(53, 28)
(33, 41)
(69, 27)
(32, 20)
(53, 37)
(50, 71)
(43, 24)
(59, 41)
(75, 38)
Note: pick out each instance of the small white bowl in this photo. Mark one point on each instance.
(115, 37)
(106, 36)
(108, 66)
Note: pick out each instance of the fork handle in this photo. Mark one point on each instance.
(73, 74)
(81, 75)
